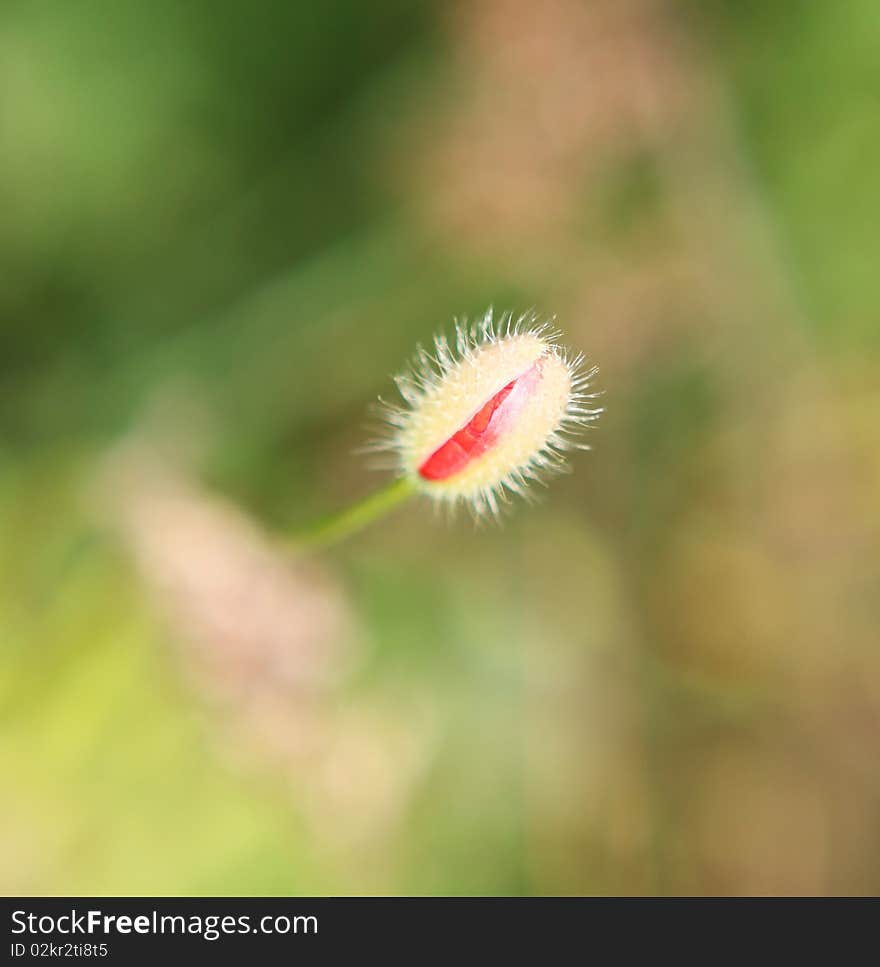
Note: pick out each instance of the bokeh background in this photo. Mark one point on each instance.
(223, 225)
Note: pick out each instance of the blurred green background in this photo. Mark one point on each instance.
(222, 227)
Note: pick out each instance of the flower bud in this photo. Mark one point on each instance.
(487, 416)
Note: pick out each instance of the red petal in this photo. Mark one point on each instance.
(469, 442)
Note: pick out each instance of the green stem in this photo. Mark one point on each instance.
(345, 522)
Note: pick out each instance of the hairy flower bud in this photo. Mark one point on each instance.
(490, 414)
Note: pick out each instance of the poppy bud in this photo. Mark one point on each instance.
(486, 416)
